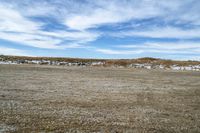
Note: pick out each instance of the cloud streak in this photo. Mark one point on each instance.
(162, 32)
(166, 48)
(12, 51)
(17, 28)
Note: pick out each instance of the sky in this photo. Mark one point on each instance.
(168, 29)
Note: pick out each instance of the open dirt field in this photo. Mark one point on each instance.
(91, 99)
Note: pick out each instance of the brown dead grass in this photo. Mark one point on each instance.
(108, 62)
(74, 99)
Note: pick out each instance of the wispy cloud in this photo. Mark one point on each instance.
(165, 48)
(163, 45)
(17, 28)
(162, 32)
(109, 12)
(119, 52)
(12, 51)
(13, 21)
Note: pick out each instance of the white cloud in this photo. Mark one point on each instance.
(31, 40)
(119, 52)
(11, 20)
(12, 51)
(109, 12)
(143, 51)
(17, 28)
(164, 45)
(156, 48)
(162, 32)
(79, 36)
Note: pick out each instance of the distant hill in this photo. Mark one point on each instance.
(108, 62)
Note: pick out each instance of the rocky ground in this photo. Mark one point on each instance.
(95, 99)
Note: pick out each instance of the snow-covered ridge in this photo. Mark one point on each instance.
(172, 67)
(142, 63)
(58, 63)
(134, 65)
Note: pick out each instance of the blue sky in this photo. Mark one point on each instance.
(168, 29)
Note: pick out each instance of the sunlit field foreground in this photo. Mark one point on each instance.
(37, 98)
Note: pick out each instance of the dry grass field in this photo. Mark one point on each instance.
(98, 100)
